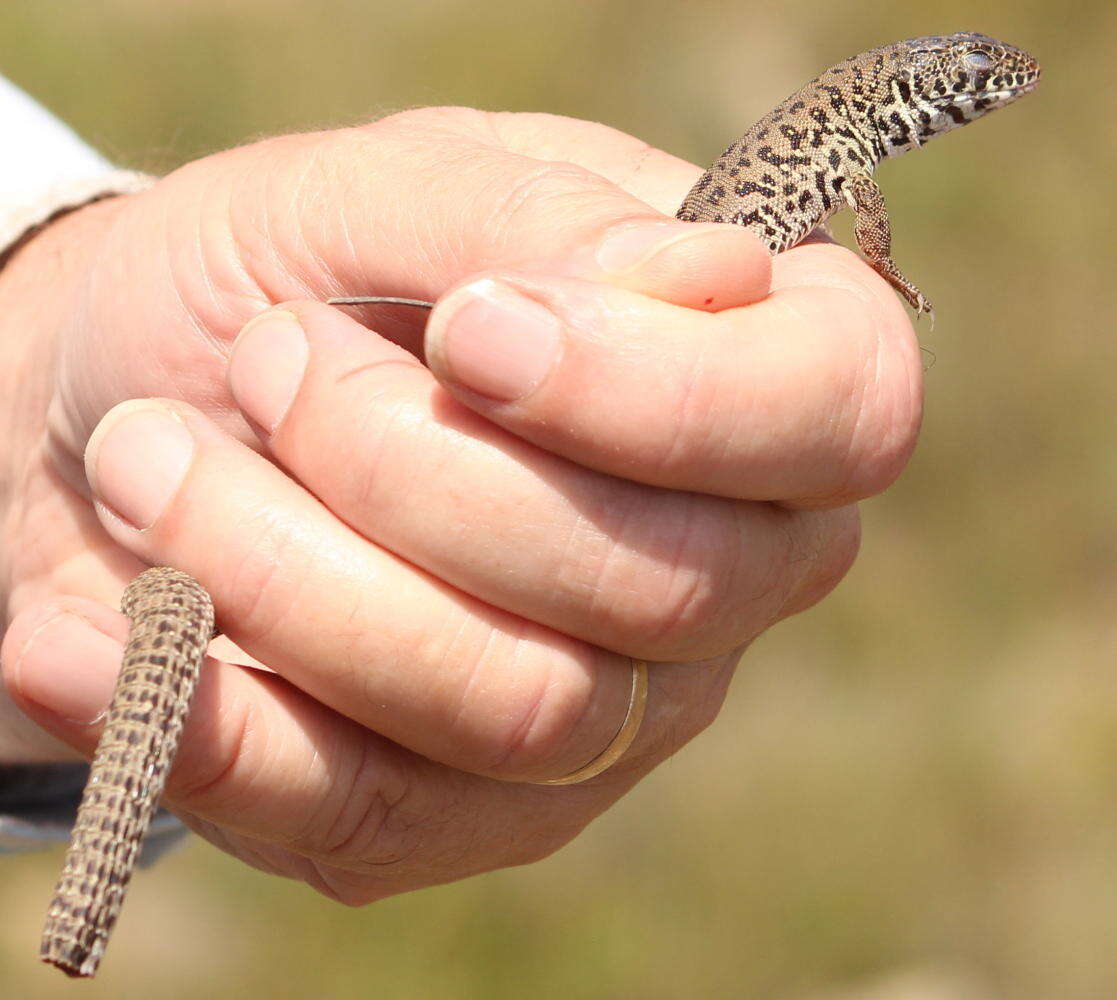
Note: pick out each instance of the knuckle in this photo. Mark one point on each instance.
(543, 717)
(203, 773)
(687, 591)
(887, 416)
(539, 723)
(445, 144)
(262, 589)
(441, 118)
(892, 438)
(369, 817)
(388, 436)
(872, 397)
(689, 617)
(824, 561)
(558, 191)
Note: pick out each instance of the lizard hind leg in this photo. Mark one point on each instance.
(873, 232)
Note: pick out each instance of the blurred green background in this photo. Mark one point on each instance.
(912, 792)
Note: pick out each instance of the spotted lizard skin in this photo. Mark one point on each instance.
(815, 153)
(172, 623)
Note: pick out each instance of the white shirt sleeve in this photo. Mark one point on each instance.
(45, 168)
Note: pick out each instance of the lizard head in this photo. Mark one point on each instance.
(954, 79)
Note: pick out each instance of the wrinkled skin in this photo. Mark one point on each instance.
(443, 547)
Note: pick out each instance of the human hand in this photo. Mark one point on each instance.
(631, 437)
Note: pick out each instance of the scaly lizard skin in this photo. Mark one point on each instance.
(816, 152)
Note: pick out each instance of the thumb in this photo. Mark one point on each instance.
(414, 203)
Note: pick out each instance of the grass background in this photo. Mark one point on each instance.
(912, 792)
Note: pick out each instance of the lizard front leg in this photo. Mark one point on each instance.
(874, 236)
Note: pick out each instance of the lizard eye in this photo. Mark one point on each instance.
(980, 62)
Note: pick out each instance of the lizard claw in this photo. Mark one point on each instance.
(919, 302)
(923, 306)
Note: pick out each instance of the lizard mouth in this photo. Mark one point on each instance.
(1031, 80)
(1009, 93)
(995, 97)
(1024, 88)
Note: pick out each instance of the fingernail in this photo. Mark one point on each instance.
(65, 667)
(137, 458)
(634, 245)
(490, 339)
(267, 367)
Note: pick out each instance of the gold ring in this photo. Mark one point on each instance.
(625, 735)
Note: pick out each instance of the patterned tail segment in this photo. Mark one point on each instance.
(172, 623)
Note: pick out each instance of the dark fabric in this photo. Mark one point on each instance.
(38, 803)
(41, 790)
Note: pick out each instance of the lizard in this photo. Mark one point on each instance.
(815, 153)
(784, 177)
